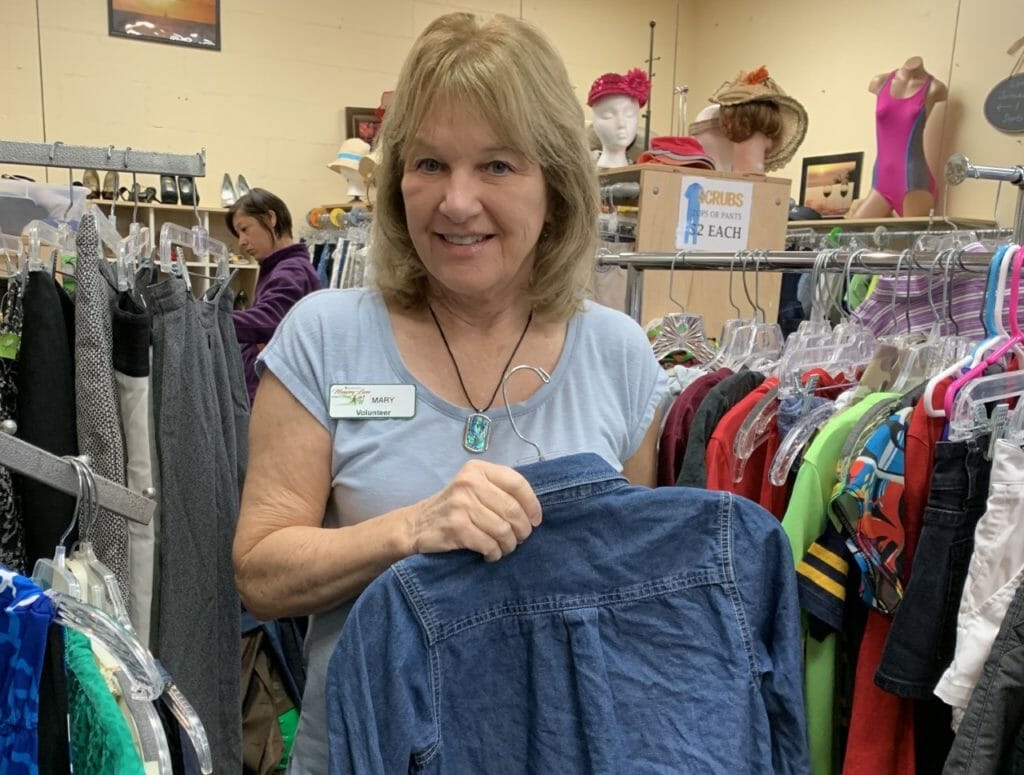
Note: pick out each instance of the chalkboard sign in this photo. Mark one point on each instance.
(1004, 107)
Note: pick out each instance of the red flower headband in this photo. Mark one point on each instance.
(634, 83)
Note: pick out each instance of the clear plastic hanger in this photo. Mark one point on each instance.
(99, 575)
(681, 331)
(794, 442)
(54, 573)
(730, 328)
(195, 239)
(153, 746)
(40, 233)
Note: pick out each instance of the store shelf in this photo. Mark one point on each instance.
(892, 224)
(123, 204)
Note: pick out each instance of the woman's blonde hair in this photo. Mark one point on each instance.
(504, 71)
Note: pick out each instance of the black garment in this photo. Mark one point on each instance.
(46, 408)
(54, 751)
(922, 640)
(988, 740)
(791, 311)
(722, 397)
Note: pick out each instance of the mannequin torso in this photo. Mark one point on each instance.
(902, 181)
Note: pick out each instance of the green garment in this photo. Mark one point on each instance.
(804, 522)
(101, 742)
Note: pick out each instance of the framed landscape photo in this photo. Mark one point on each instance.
(830, 184)
(362, 123)
(193, 23)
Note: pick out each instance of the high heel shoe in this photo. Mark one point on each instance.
(168, 190)
(227, 192)
(187, 190)
(243, 186)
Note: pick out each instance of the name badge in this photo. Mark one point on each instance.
(372, 402)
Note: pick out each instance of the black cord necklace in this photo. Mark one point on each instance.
(477, 433)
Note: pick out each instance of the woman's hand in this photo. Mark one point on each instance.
(487, 508)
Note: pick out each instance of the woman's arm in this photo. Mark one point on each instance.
(642, 468)
(287, 564)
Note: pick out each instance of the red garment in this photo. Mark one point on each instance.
(677, 425)
(922, 436)
(720, 458)
(881, 736)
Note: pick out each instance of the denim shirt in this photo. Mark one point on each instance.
(636, 630)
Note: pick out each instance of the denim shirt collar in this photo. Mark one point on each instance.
(548, 478)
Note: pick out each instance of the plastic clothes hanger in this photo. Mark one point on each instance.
(796, 440)
(1016, 337)
(993, 295)
(41, 233)
(54, 574)
(681, 331)
(730, 328)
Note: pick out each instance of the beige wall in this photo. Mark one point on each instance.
(271, 103)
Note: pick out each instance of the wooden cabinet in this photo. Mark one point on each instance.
(704, 292)
(155, 214)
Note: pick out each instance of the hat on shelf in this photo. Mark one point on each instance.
(634, 83)
(349, 155)
(677, 151)
(758, 86)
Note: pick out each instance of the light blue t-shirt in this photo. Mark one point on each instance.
(602, 398)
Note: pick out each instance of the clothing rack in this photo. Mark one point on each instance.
(845, 260)
(959, 168)
(31, 461)
(57, 154)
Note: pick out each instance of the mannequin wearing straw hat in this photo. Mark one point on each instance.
(902, 182)
(764, 124)
(615, 101)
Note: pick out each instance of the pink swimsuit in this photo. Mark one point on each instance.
(900, 166)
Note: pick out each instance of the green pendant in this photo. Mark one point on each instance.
(478, 433)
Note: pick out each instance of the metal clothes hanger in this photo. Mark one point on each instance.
(544, 377)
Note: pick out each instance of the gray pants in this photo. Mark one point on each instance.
(199, 616)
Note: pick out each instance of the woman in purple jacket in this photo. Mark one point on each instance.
(263, 226)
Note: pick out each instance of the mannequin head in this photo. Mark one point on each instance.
(763, 123)
(616, 101)
(615, 120)
(707, 129)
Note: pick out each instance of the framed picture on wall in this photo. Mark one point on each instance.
(830, 184)
(193, 23)
(362, 123)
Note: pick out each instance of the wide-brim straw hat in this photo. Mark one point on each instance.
(758, 86)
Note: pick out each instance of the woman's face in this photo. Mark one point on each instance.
(253, 238)
(615, 121)
(474, 209)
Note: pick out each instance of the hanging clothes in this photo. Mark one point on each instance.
(46, 408)
(199, 611)
(12, 528)
(98, 411)
(617, 657)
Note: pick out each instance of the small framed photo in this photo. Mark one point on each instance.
(830, 184)
(193, 23)
(362, 123)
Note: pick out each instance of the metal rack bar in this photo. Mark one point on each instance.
(31, 461)
(959, 168)
(865, 262)
(102, 158)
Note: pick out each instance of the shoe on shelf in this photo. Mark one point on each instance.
(243, 186)
(149, 195)
(187, 190)
(110, 185)
(168, 190)
(227, 192)
(91, 181)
